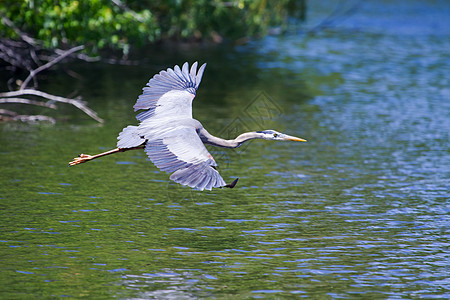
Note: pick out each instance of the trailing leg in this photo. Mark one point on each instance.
(82, 158)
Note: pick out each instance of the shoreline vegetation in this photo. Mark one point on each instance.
(36, 35)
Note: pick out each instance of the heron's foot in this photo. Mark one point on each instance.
(233, 184)
(80, 159)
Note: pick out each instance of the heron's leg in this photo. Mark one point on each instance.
(82, 158)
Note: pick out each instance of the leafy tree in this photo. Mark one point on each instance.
(37, 34)
(118, 24)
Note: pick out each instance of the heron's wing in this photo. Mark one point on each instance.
(181, 152)
(169, 132)
(129, 138)
(172, 88)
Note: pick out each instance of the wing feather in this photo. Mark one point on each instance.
(180, 151)
(207, 180)
(182, 176)
(168, 130)
(198, 77)
(129, 138)
(175, 79)
(185, 72)
(193, 71)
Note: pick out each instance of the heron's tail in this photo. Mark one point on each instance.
(129, 138)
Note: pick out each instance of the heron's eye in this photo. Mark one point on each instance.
(275, 135)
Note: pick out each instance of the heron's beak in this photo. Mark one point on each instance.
(294, 138)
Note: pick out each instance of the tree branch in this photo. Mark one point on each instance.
(27, 53)
(7, 115)
(26, 101)
(75, 102)
(22, 35)
(49, 64)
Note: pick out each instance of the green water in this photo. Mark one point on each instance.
(359, 211)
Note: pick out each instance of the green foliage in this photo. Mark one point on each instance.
(101, 24)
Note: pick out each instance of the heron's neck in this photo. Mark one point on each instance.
(246, 136)
(216, 141)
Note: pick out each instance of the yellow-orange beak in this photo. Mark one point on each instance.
(294, 138)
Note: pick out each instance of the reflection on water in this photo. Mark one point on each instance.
(361, 210)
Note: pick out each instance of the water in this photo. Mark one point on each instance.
(360, 211)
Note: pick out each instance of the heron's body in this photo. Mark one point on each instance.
(172, 139)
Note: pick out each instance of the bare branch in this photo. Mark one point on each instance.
(26, 101)
(34, 118)
(49, 64)
(135, 15)
(28, 54)
(7, 115)
(22, 35)
(75, 102)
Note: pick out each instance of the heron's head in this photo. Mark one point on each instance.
(278, 136)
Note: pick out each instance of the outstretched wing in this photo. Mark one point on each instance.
(181, 152)
(169, 131)
(168, 90)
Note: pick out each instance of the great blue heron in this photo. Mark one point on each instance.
(173, 140)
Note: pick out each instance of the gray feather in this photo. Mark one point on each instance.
(182, 153)
(170, 135)
(129, 138)
(186, 177)
(166, 81)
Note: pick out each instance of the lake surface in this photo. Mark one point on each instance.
(359, 211)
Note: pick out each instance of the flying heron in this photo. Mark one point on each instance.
(172, 139)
